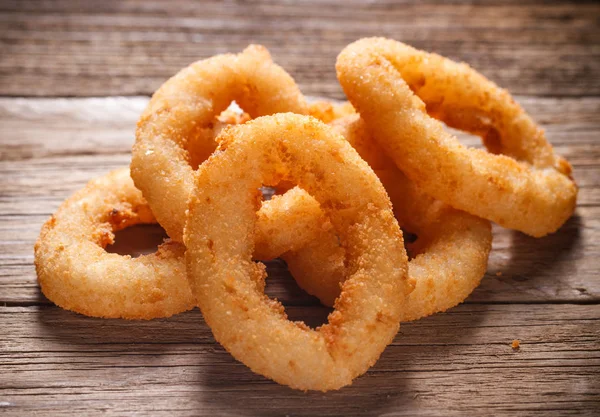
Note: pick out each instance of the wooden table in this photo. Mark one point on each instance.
(74, 77)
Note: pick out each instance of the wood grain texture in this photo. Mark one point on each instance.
(543, 292)
(78, 48)
(458, 363)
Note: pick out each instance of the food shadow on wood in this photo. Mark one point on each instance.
(520, 264)
(556, 248)
(79, 332)
(392, 382)
(138, 356)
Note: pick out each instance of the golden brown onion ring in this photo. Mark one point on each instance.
(450, 254)
(76, 273)
(228, 285)
(179, 120)
(525, 186)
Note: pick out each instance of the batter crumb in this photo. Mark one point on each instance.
(515, 344)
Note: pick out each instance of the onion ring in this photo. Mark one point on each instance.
(388, 81)
(77, 274)
(229, 286)
(450, 254)
(180, 118)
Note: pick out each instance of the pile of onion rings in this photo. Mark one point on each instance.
(346, 176)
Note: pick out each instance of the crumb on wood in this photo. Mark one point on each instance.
(515, 344)
(498, 274)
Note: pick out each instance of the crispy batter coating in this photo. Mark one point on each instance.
(328, 111)
(175, 132)
(76, 273)
(287, 223)
(203, 143)
(521, 184)
(450, 254)
(229, 285)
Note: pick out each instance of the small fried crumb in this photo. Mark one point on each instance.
(498, 274)
(515, 344)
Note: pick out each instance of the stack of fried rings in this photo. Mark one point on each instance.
(357, 174)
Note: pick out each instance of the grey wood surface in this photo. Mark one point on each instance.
(457, 363)
(98, 48)
(55, 56)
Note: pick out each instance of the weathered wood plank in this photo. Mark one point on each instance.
(63, 48)
(52, 147)
(458, 363)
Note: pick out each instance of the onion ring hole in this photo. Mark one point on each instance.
(137, 240)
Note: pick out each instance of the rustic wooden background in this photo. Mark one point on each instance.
(74, 76)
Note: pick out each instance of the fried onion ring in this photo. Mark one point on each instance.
(77, 274)
(179, 121)
(450, 254)
(229, 286)
(521, 185)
